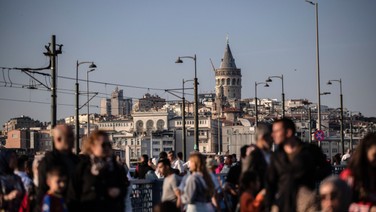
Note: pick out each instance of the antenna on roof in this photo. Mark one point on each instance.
(212, 64)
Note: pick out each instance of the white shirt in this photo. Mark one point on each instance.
(178, 164)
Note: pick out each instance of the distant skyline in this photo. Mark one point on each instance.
(137, 42)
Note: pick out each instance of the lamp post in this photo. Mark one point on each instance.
(78, 106)
(256, 100)
(283, 92)
(322, 94)
(179, 60)
(317, 65)
(88, 101)
(341, 115)
(183, 120)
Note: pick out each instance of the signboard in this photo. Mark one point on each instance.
(319, 135)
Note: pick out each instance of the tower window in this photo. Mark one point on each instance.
(223, 81)
(234, 81)
(228, 81)
(238, 81)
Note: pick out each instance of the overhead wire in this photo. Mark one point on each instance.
(63, 91)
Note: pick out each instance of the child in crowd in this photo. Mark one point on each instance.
(252, 198)
(53, 200)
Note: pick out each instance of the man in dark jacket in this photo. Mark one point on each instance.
(62, 156)
(258, 156)
(143, 168)
(294, 167)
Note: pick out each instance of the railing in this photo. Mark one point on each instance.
(336, 170)
(147, 193)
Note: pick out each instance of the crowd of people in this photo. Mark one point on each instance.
(277, 173)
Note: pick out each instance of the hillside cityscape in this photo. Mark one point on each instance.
(151, 124)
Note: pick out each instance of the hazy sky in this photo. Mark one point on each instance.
(137, 42)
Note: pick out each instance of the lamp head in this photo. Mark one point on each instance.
(91, 70)
(179, 60)
(329, 82)
(92, 65)
(310, 2)
(269, 80)
(266, 85)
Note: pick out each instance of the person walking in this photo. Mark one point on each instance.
(199, 188)
(99, 183)
(361, 173)
(53, 201)
(294, 170)
(170, 183)
(143, 167)
(176, 163)
(335, 195)
(258, 156)
(21, 172)
(61, 156)
(12, 191)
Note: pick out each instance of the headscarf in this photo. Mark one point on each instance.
(5, 156)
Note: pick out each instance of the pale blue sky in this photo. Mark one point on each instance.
(137, 42)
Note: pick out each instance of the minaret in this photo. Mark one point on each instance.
(228, 77)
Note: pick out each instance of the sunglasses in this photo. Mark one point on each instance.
(332, 195)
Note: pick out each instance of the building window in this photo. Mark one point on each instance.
(167, 149)
(228, 81)
(234, 81)
(167, 142)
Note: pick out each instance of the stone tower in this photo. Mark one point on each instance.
(228, 77)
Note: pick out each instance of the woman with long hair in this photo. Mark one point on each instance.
(199, 187)
(99, 182)
(361, 172)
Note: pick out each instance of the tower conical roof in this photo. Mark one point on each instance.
(228, 60)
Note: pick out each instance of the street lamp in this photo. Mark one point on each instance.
(88, 101)
(256, 107)
(92, 65)
(317, 65)
(341, 117)
(283, 92)
(179, 60)
(183, 120)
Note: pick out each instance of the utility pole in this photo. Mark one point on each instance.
(53, 85)
(310, 125)
(184, 136)
(52, 52)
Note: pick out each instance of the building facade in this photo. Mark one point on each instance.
(23, 122)
(149, 102)
(117, 105)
